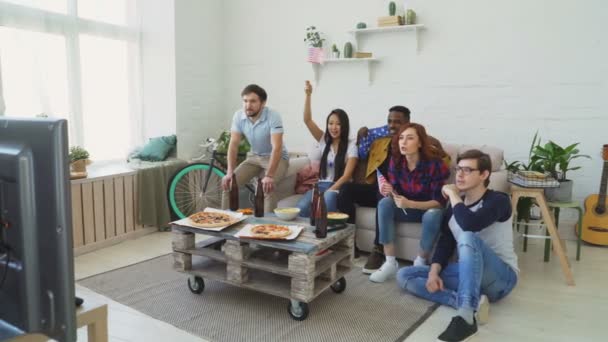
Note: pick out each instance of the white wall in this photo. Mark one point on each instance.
(488, 72)
(158, 67)
(199, 31)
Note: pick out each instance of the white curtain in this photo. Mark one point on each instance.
(74, 59)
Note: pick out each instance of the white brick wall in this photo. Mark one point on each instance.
(488, 72)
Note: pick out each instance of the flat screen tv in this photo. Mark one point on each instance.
(36, 256)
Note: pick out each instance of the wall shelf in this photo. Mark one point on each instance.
(316, 68)
(416, 28)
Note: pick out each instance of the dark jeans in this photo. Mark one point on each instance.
(365, 195)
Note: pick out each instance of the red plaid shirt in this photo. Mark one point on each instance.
(424, 183)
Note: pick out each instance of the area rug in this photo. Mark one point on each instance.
(363, 312)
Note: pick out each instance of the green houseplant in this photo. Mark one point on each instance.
(313, 37)
(556, 160)
(222, 147)
(78, 159)
(524, 205)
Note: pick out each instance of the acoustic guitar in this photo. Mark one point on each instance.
(595, 221)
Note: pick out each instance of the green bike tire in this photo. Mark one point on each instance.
(185, 191)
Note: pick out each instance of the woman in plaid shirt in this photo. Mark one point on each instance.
(412, 193)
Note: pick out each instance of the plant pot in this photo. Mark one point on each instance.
(79, 166)
(563, 193)
(336, 54)
(316, 55)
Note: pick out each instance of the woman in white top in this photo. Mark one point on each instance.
(339, 156)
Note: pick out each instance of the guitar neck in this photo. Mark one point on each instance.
(603, 186)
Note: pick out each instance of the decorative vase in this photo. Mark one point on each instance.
(410, 17)
(315, 55)
(79, 166)
(563, 193)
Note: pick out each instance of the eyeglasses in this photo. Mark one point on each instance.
(465, 169)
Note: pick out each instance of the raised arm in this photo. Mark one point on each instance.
(316, 132)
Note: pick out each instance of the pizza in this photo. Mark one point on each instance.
(270, 231)
(337, 216)
(246, 211)
(210, 219)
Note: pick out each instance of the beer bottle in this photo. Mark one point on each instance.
(321, 218)
(313, 203)
(234, 194)
(258, 205)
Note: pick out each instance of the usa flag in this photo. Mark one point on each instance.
(381, 180)
(316, 55)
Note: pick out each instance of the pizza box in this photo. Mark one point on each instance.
(245, 232)
(237, 216)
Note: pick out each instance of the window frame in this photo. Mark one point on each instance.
(70, 26)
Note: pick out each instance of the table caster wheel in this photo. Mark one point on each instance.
(196, 284)
(297, 310)
(339, 286)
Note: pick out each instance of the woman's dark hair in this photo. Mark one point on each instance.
(426, 151)
(339, 162)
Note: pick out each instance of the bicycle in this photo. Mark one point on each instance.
(199, 184)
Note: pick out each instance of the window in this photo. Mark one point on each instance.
(34, 73)
(105, 96)
(74, 59)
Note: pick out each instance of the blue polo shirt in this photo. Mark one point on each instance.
(258, 133)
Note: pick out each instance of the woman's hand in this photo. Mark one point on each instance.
(307, 88)
(401, 201)
(386, 189)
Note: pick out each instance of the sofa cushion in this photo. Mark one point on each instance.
(495, 153)
(289, 201)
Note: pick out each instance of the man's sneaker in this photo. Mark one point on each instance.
(483, 310)
(419, 261)
(374, 261)
(458, 330)
(386, 271)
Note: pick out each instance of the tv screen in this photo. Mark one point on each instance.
(36, 257)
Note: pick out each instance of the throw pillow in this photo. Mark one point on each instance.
(157, 149)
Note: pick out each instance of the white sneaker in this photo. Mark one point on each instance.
(483, 310)
(386, 271)
(419, 261)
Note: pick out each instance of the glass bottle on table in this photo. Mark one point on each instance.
(321, 218)
(313, 203)
(258, 205)
(234, 194)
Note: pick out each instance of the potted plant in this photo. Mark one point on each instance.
(335, 51)
(78, 159)
(524, 205)
(315, 44)
(556, 160)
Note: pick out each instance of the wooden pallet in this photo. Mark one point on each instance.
(288, 269)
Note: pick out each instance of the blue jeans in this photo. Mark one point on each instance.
(331, 199)
(388, 213)
(478, 271)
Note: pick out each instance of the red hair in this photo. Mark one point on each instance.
(427, 152)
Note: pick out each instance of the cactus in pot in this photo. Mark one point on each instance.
(392, 8)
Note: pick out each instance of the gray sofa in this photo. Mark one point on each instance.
(408, 234)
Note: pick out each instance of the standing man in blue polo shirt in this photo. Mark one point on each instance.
(268, 157)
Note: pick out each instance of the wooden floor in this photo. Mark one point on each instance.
(541, 308)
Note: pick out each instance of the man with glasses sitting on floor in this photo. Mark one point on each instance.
(479, 227)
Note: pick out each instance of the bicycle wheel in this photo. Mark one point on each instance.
(185, 191)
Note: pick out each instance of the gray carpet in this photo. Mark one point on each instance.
(363, 312)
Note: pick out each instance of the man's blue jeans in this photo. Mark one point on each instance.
(478, 271)
(388, 213)
(331, 199)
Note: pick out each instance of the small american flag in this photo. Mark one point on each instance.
(381, 180)
(316, 55)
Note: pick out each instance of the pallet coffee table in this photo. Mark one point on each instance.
(295, 270)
